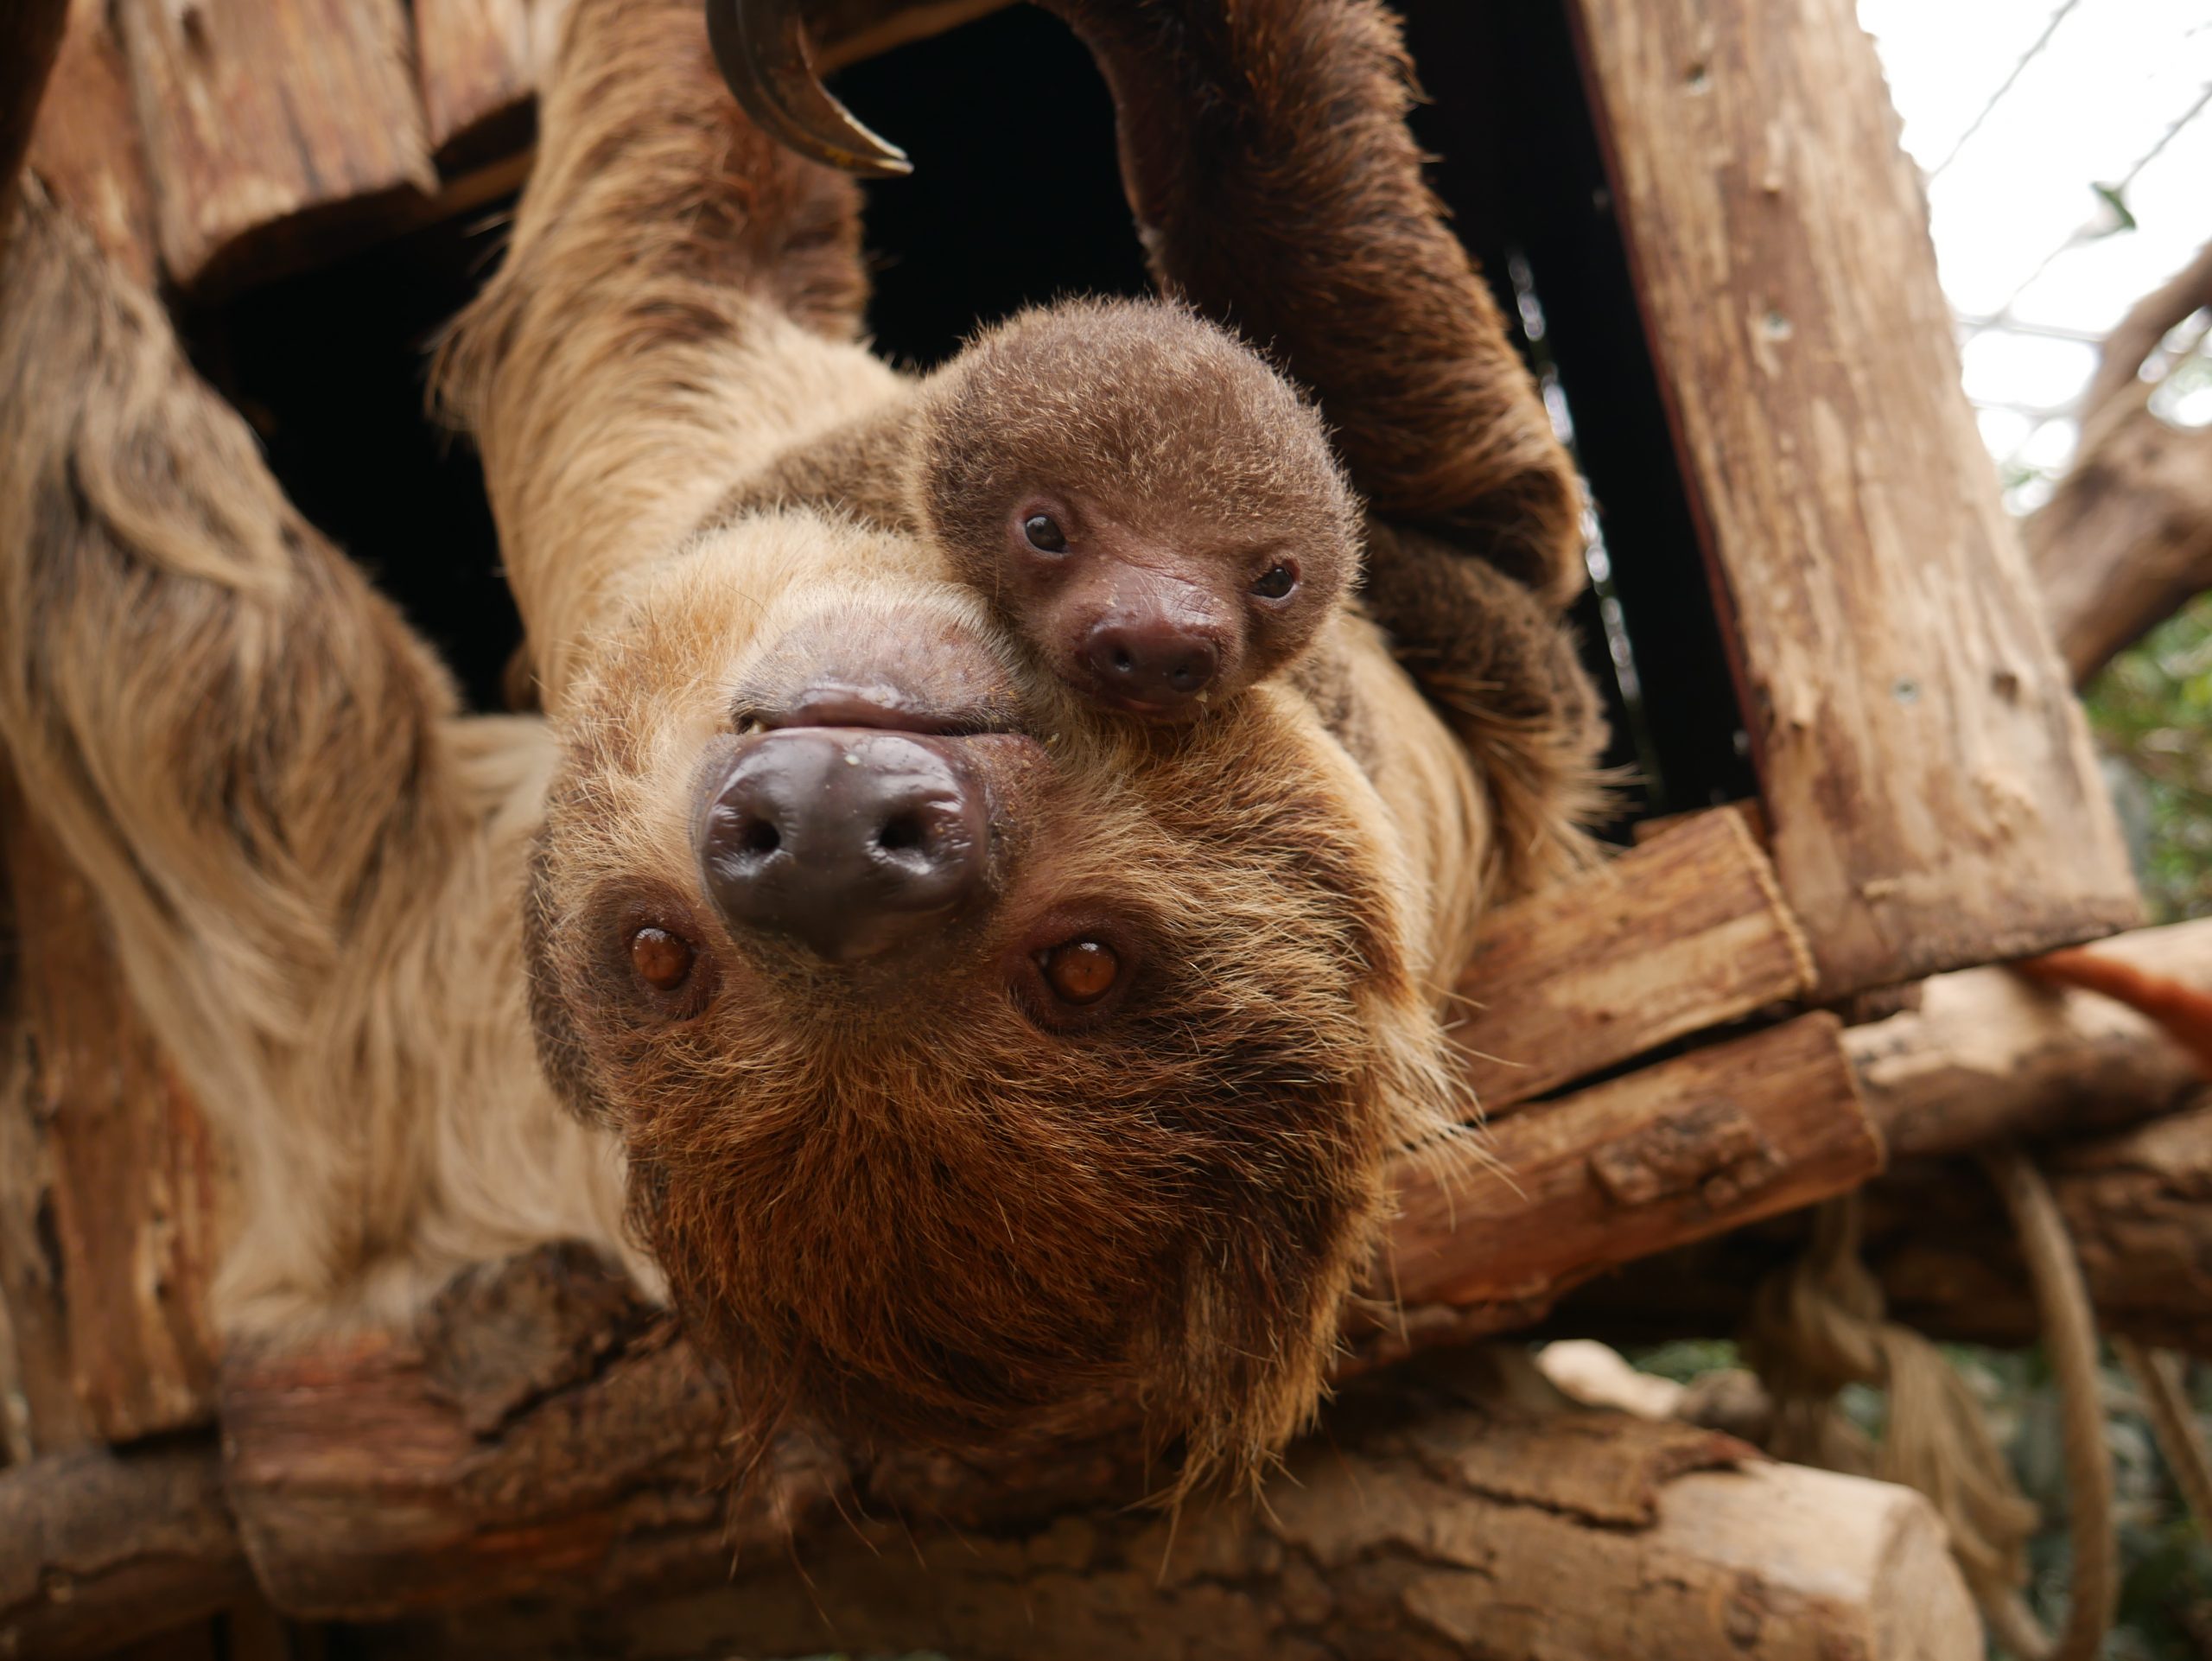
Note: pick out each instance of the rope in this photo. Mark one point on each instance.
(2070, 1337)
(1819, 1326)
(2173, 1423)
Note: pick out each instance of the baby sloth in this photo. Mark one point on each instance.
(1154, 511)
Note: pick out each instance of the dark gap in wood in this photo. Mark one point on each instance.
(1519, 167)
(1016, 194)
(329, 367)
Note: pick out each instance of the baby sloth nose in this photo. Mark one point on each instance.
(850, 842)
(1151, 660)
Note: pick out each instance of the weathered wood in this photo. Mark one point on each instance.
(85, 148)
(473, 64)
(2125, 540)
(271, 127)
(1926, 772)
(2138, 1204)
(111, 1202)
(1394, 1538)
(2149, 320)
(100, 1549)
(30, 38)
(1685, 931)
(1686, 1148)
(1990, 1055)
(1426, 1520)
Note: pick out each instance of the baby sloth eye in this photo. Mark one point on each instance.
(663, 960)
(1277, 584)
(1045, 534)
(1081, 971)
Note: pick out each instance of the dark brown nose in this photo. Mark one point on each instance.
(850, 842)
(1156, 661)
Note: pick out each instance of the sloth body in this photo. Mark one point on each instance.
(960, 1057)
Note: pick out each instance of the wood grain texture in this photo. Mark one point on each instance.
(100, 1549)
(1924, 766)
(1446, 1513)
(473, 65)
(1988, 1054)
(271, 126)
(85, 148)
(1683, 933)
(1683, 1150)
(113, 1198)
(2125, 540)
(1392, 1536)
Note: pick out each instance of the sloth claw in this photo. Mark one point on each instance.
(761, 48)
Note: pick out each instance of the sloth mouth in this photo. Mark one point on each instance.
(883, 708)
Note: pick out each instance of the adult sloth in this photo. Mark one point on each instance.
(1114, 1125)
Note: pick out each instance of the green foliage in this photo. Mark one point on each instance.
(2152, 709)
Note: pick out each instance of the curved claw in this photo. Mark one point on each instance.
(761, 48)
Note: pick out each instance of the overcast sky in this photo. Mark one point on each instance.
(2110, 92)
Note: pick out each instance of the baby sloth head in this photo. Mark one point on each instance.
(1157, 512)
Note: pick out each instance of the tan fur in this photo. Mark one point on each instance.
(901, 1208)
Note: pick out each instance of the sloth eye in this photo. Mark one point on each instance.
(663, 960)
(1081, 971)
(1278, 582)
(1045, 534)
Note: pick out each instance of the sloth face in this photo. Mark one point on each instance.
(977, 1058)
(1154, 510)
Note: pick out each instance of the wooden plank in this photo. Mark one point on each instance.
(1990, 1055)
(85, 148)
(98, 1550)
(1682, 934)
(473, 64)
(1926, 770)
(271, 127)
(1686, 1149)
(112, 1198)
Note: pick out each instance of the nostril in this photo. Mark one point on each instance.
(759, 839)
(1191, 673)
(901, 833)
(1123, 663)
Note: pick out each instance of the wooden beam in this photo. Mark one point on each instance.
(1433, 1521)
(473, 65)
(1683, 933)
(272, 126)
(1990, 1055)
(2125, 540)
(111, 1201)
(100, 1550)
(85, 148)
(1927, 776)
(1680, 1150)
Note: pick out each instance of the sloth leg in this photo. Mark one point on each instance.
(241, 746)
(1267, 157)
(1502, 670)
(1318, 239)
(677, 304)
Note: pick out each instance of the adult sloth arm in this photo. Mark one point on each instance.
(679, 295)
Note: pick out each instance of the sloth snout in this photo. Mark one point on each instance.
(1158, 661)
(849, 842)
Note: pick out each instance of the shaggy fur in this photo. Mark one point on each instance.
(910, 1201)
(1150, 434)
